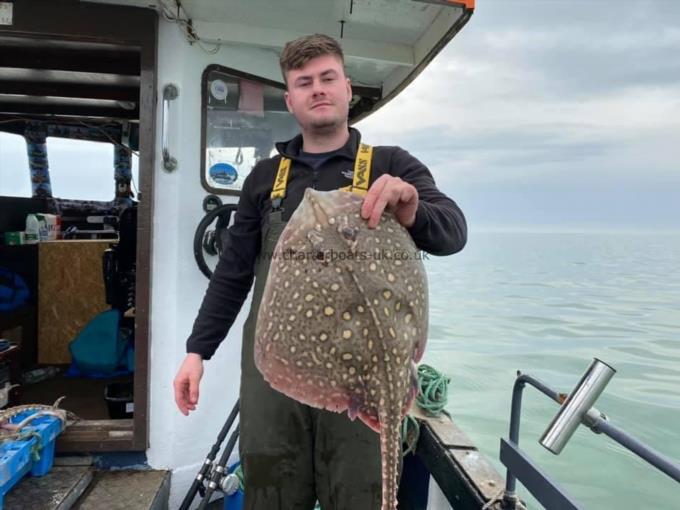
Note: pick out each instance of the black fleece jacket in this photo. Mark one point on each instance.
(439, 227)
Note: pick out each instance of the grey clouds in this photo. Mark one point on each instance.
(551, 114)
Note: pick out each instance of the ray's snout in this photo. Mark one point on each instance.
(319, 204)
(329, 204)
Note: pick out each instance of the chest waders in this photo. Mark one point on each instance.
(291, 453)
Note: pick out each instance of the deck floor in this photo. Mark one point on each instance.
(74, 483)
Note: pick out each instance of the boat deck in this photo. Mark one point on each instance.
(75, 483)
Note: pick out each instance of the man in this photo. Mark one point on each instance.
(293, 454)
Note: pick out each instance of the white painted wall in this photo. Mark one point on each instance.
(177, 442)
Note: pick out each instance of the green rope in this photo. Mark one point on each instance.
(432, 398)
(410, 432)
(239, 474)
(432, 390)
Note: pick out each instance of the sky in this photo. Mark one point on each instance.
(550, 114)
(538, 115)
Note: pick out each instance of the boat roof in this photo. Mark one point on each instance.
(387, 43)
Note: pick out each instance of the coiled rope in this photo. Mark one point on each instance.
(433, 393)
(432, 398)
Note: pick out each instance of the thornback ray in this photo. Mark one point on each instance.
(343, 318)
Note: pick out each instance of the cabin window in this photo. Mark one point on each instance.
(83, 169)
(243, 117)
(15, 178)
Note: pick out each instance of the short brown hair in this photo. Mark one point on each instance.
(297, 53)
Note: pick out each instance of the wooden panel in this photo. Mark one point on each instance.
(113, 24)
(69, 89)
(84, 61)
(466, 477)
(147, 153)
(458, 489)
(70, 294)
(447, 431)
(481, 471)
(38, 106)
(96, 436)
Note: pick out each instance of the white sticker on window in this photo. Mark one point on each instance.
(129, 407)
(219, 90)
(6, 13)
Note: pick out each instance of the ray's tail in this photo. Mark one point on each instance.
(390, 449)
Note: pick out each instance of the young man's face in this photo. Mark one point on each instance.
(318, 94)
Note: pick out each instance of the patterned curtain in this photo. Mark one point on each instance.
(36, 137)
(122, 164)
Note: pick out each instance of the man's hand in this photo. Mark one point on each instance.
(392, 192)
(187, 381)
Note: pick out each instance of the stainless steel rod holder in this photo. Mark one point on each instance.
(577, 405)
(170, 93)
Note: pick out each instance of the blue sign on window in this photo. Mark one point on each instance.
(223, 173)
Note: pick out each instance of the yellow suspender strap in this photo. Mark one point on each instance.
(362, 169)
(360, 183)
(279, 189)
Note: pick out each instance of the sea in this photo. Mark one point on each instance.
(546, 304)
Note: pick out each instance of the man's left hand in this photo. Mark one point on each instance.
(391, 192)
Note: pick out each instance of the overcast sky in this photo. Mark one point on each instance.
(550, 113)
(541, 114)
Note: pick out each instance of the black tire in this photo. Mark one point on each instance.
(223, 213)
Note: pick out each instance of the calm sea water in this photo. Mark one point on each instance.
(546, 304)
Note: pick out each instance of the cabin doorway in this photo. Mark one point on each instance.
(77, 98)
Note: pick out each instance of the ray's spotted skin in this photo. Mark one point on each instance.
(343, 318)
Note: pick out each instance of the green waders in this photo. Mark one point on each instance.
(293, 454)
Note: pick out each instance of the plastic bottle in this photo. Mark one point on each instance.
(43, 227)
(32, 229)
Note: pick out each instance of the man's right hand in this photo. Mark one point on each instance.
(187, 381)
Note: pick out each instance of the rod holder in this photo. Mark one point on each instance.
(576, 406)
(170, 93)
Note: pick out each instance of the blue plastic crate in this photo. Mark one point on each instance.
(15, 456)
